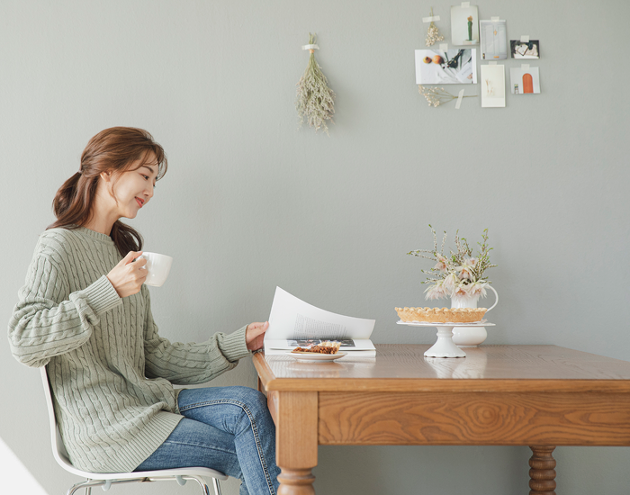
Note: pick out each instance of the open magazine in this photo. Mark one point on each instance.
(295, 323)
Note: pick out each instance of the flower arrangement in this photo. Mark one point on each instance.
(315, 100)
(433, 34)
(459, 274)
(436, 96)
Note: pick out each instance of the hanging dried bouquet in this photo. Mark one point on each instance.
(315, 100)
(433, 34)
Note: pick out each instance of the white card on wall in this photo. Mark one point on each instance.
(493, 85)
(464, 25)
(493, 40)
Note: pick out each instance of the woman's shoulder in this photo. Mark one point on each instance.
(59, 242)
(58, 235)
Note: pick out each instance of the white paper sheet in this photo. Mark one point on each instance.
(292, 318)
(493, 85)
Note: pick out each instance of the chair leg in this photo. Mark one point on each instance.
(202, 483)
(217, 486)
(78, 486)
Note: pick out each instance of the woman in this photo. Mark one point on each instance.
(85, 314)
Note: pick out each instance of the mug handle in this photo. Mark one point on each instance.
(496, 295)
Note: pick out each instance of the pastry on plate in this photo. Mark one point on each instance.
(441, 315)
(323, 348)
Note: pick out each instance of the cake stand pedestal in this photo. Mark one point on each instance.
(444, 346)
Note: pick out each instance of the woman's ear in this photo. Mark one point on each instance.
(106, 176)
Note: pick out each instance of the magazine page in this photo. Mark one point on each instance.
(294, 319)
(346, 344)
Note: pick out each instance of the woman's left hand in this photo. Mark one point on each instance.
(255, 335)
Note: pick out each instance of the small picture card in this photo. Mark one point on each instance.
(524, 80)
(525, 49)
(455, 66)
(493, 85)
(493, 44)
(465, 25)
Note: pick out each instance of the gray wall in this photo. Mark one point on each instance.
(250, 202)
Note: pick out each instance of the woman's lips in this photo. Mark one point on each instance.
(140, 202)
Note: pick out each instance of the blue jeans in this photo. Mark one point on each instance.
(228, 429)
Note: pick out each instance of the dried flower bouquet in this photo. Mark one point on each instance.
(436, 96)
(315, 100)
(433, 34)
(458, 274)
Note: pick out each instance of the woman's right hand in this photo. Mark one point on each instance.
(129, 274)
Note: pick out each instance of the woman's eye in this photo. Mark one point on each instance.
(146, 177)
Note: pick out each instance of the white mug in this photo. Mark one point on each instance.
(159, 266)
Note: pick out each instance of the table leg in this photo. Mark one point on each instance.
(542, 473)
(296, 442)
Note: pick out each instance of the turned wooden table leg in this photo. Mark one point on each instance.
(542, 473)
(296, 482)
(296, 442)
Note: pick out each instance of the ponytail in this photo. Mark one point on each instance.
(65, 195)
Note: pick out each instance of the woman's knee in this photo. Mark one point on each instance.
(253, 399)
(254, 405)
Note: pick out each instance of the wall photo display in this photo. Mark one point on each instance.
(465, 25)
(525, 49)
(456, 66)
(493, 44)
(524, 80)
(493, 85)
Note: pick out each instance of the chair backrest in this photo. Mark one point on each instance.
(58, 448)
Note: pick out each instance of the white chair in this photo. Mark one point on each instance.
(106, 480)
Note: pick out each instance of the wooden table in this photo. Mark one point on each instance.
(538, 396)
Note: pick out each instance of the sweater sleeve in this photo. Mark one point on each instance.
(188, 364)
(47, 321)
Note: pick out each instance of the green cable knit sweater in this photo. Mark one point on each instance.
(111, 374)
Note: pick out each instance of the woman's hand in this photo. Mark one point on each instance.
(255, 335)
(128, 276)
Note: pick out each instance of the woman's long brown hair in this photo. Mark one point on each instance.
(112, 150)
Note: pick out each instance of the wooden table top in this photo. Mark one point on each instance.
(402, 367)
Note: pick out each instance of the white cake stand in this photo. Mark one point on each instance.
(444, 346)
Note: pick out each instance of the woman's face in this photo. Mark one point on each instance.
(133, 189)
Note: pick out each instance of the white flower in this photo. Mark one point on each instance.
(465, 273)
(436, 291)
(477, 289)
(450, 282)
(471, 262)
(433, 35)
(462, 290)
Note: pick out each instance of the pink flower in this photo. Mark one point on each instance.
(471, 262)
(441, 264)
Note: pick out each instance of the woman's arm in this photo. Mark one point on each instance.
(187, 364)
(48, 320)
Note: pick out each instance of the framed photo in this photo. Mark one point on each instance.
(522, 49)
(493, 85)
(493, 44)
(524, 81)
(465, 25)
(456, 66)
